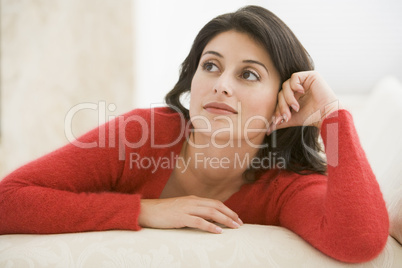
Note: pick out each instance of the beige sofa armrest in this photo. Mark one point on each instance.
(248, 246)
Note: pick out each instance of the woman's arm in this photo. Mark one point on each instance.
(343, 215)
(69, 190)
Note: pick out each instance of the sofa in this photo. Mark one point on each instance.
(376, 117)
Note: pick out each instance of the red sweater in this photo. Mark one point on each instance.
(73, 189)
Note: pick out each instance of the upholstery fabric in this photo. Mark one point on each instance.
(248, 246)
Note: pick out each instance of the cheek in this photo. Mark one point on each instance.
(261, 104)
(201, 85)
(270, 104)
(196, 93)
(259, 110)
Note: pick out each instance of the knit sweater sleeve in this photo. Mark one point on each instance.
(342, 214)
(72, 189)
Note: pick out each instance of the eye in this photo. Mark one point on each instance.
(210, 67)
(250, 76)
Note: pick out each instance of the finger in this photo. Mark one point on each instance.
(277, 115)
(215, 215)
(296, 81)
(202, 224)
(218, 205)
(284, 110)
(289, 95)
(272, 127)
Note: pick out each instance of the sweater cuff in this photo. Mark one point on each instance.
(341, 115)
(337, 127)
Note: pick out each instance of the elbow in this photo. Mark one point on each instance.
(363, 238)
(9, 216)
(5, 213)
(4, 216)
(363, 246)
(366, 249)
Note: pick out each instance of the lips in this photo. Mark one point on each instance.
(219, 108)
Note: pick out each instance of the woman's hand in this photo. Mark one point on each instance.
(188, 211)
(305, 99)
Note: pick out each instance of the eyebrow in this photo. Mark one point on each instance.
(245, 61)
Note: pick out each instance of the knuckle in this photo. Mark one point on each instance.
(190, 199)
(219, 204)
(288, 95)
(211, 211)
(235, 216)
(182, 221)
(198, 222)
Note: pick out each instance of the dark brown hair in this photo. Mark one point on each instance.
(299, 146)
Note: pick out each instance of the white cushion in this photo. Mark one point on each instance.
(248, 246)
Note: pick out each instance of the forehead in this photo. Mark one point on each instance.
(241, 45)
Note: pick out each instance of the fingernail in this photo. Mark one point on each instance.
(294, 107)
(285, 117)
(240, 221)
(235, 224)
(278, 120)
(219, 230)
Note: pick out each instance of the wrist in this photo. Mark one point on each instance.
(327, 110)
(142, 217)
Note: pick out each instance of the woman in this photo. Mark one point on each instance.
(246, 151)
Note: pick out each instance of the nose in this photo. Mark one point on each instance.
(223, 86)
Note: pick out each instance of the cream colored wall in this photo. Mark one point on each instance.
(56, 54)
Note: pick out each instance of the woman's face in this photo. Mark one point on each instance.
(234, 89)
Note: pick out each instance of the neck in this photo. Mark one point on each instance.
(213, 169)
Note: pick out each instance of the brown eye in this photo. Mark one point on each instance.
(210, 67)
(250, 76)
